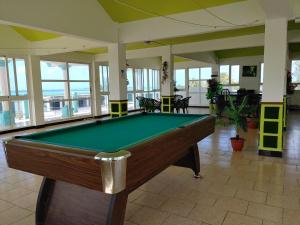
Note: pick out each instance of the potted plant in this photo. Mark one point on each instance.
(214, 88)
(237, 115)
(252, 117)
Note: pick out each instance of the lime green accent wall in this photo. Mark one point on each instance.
(129, 10)
(293, 26)
(34, 35)
(240, 52)
(96, 51)
(181, 59)
(294, 47)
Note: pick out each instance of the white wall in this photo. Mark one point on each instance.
(151, 63)
(251, 83)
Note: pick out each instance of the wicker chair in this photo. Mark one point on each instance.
(182, 104)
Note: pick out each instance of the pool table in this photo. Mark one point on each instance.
(90, 169)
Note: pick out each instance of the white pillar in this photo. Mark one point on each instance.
(215, 70)
(36, 95)
(275, 57)
(117, 71)
(117, 80)
(96, 88)
(167, 85)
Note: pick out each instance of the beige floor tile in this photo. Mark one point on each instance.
(30, 220)
(176, 191)
(153, 186)
(148, 216)
(269, 187)
(13, 215)
(238, 219)
(265, 212)
(178, 220)
(130, 223)
(252, 196)
(14, 194)
(232, 204)
(208, 214)
(150, 200)
(134, 195)
(203, 198)
(284, 201)
(28, 201)
(291, 217)
(4, 187)
(266, 222)
(4, 205)
(131, 210)
(178, 206)
(241, 183)
(223, 190)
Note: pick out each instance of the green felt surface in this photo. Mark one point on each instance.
(115, 134)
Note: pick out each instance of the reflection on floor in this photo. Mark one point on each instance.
(237, 188)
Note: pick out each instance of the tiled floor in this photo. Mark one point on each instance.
(237, 188)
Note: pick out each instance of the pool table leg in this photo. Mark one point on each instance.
(191, 160)
(61, 203)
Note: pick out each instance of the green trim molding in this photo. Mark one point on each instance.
(167, 104)
(118, 108)
(271, 129)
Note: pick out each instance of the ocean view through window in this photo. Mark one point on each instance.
(66, 90)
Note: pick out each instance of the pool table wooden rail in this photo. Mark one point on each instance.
(73, 176)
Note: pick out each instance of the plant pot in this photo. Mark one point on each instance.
(251, 123)
(237, 144)
(212, 108)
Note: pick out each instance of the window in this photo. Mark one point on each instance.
(197, 80)
(296, 73)
(261, 77)
(230, 77)
(142, 82)
(66, 90)
(14, 100)
(104, 88)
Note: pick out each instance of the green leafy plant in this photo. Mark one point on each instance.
(214, 88)
(237, 115)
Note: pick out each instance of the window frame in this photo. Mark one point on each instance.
(69, 99)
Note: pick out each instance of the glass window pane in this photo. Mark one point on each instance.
(180, 79)
(11, 72)
(139, 79)
(79, 71)
(79, 90)
(296, 71)
(21, 77)
(3, 78)
(194, 74)
(224, 74)
(53, 70)
(104, 104)
(81, 107)
(194, 85)
(20, 113)
(262, 73)
(5, 115)
(146, 88)
(104, 78)
(130, 97)
(54, 90)
(150, 72)
(156, 80)
(205, 73)
(235, 74)
(130, 79)
(56, 109)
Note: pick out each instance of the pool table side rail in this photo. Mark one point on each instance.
(79, 167)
